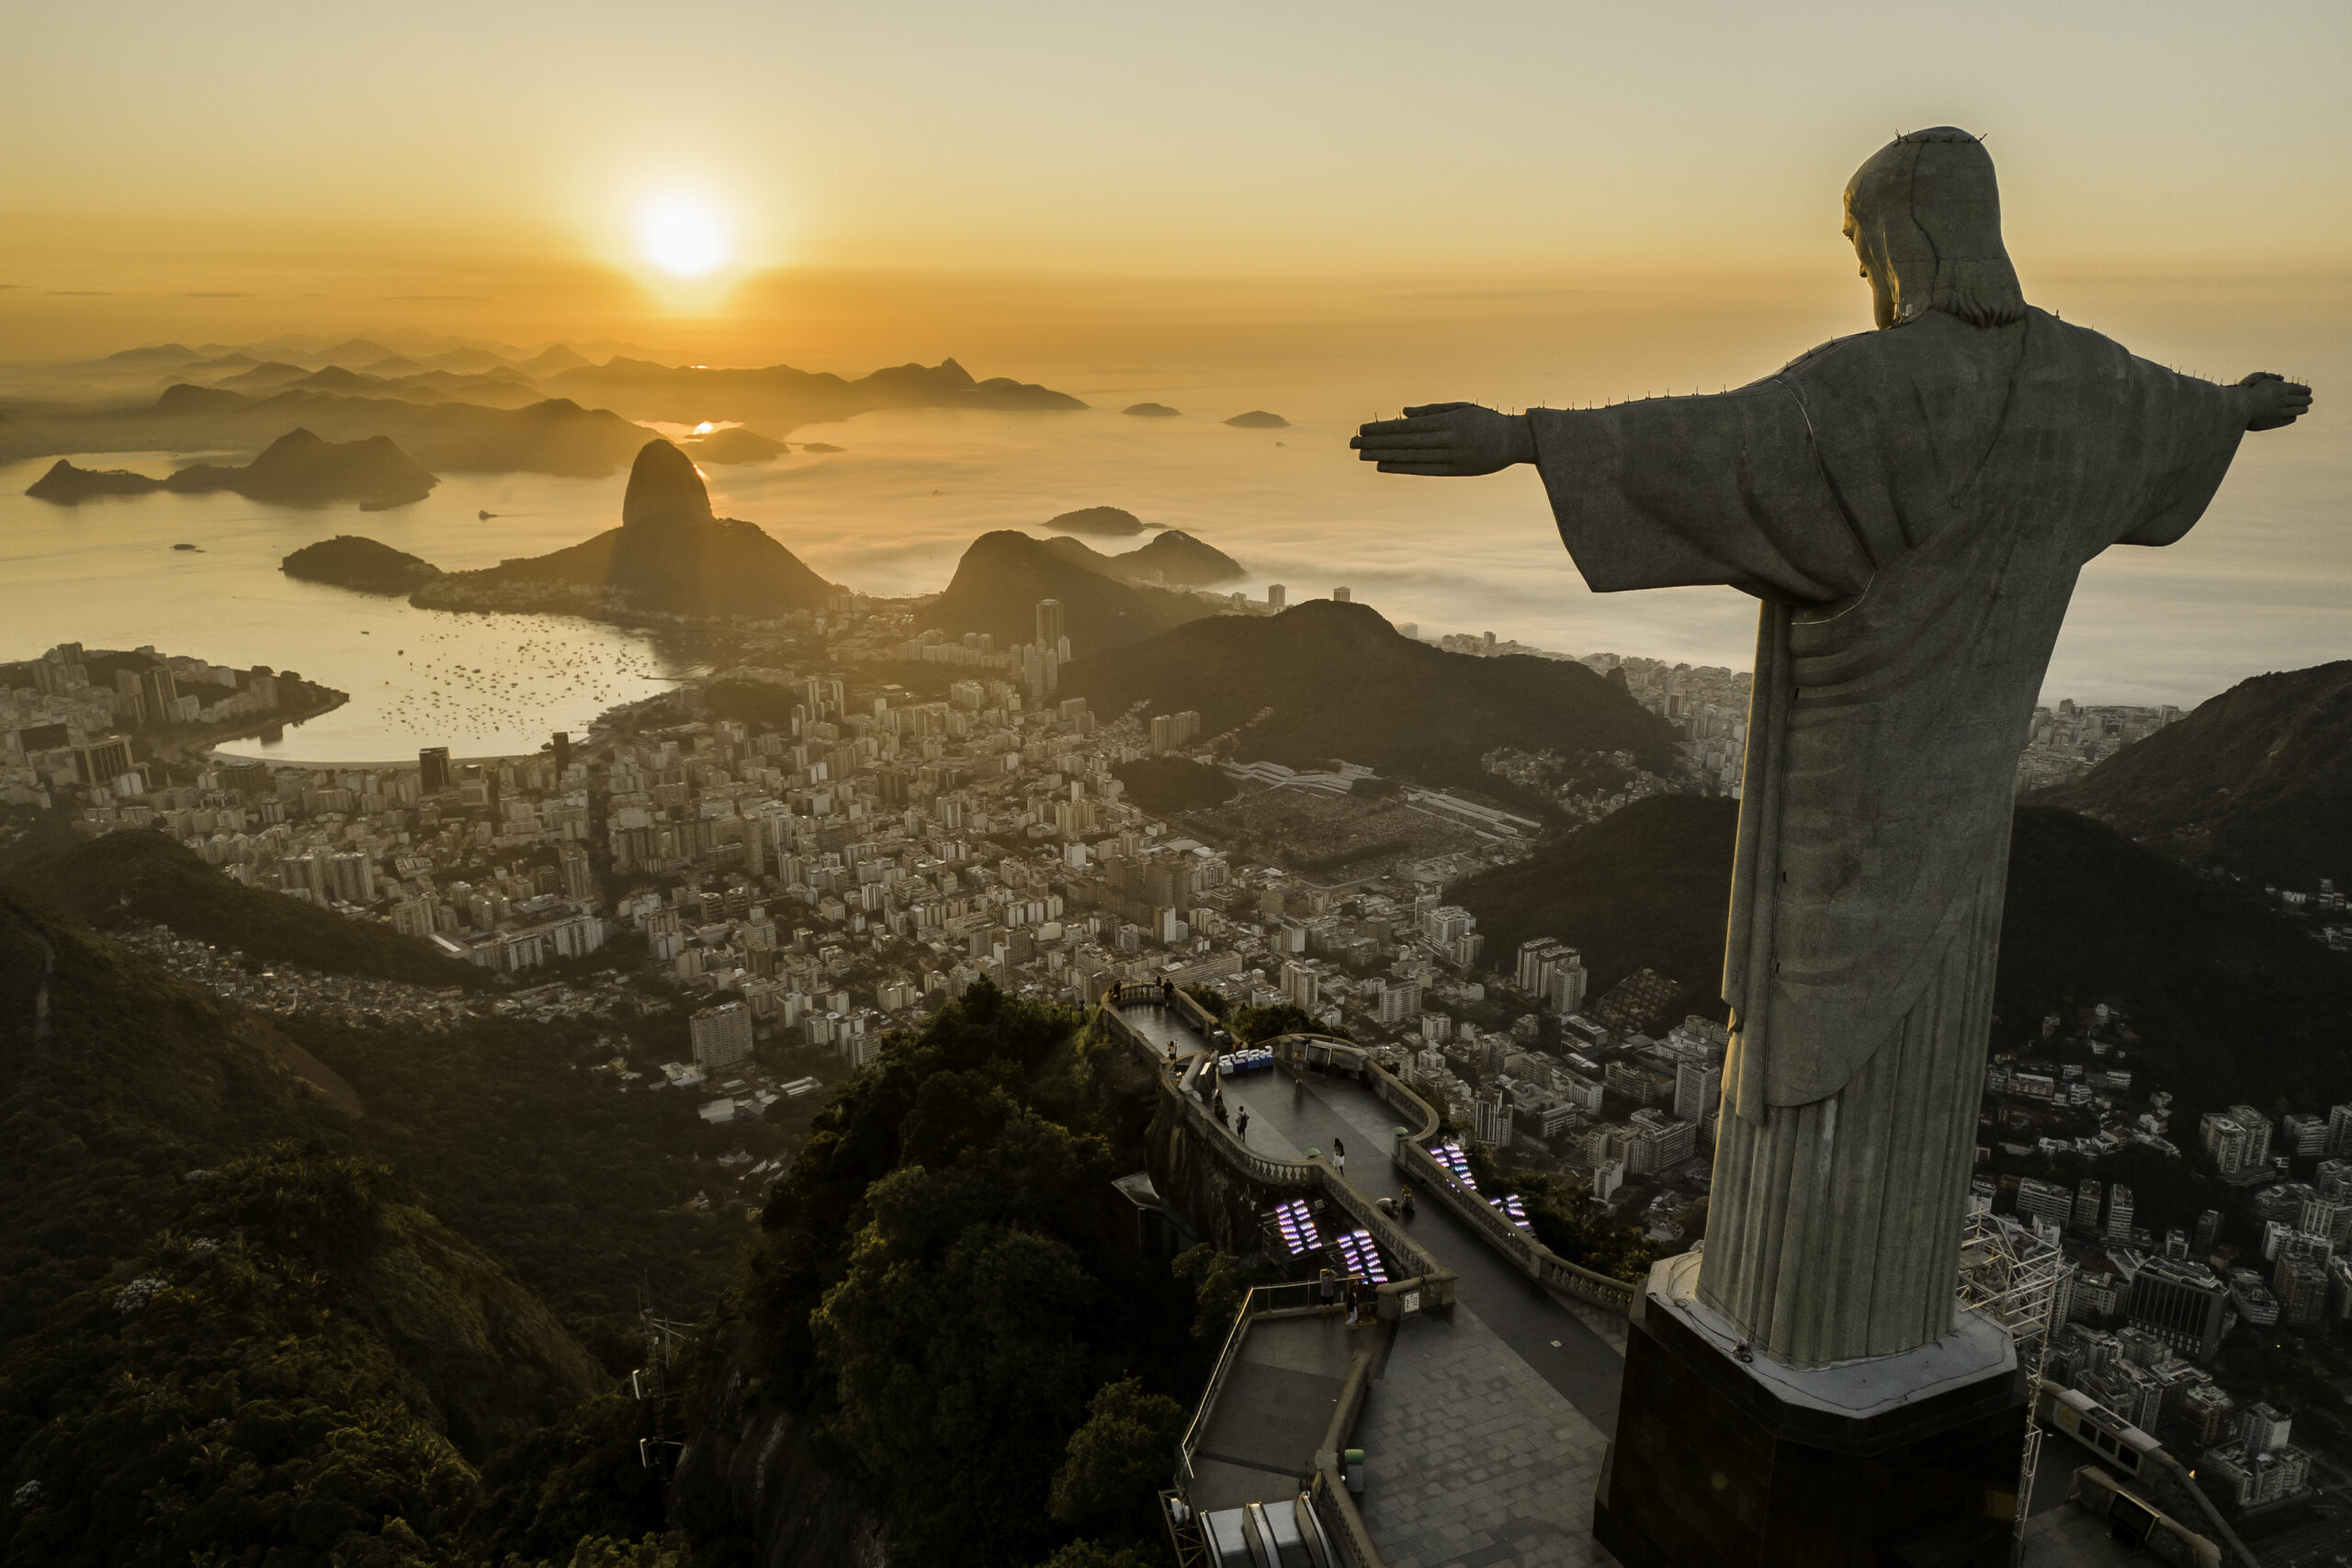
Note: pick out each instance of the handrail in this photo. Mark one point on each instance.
(1332, 1483)
(1533, 1258)
(1231, 1354)
(1355, 1541)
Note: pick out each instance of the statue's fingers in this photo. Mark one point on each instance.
(1437, 437)
(1389, 426)
(1437, 408)
(1440, 468)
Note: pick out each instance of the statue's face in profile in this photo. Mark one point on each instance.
(1881, 287)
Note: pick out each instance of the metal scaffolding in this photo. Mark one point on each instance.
(2012, 1276)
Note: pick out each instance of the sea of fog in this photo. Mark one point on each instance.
(2263, 584)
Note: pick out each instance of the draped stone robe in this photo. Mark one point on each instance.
(1912, 506)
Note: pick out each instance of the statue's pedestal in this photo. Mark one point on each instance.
(1899, 1461)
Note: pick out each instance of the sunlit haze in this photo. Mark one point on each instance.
(683, 236)
(1218, 208)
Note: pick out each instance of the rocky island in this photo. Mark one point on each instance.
(69, 486)
(1258, 418)
(295, 469)
(670, 557)
(348, 560)
(734, 445)
(1112, 520)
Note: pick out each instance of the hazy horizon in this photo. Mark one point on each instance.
(1223, 210)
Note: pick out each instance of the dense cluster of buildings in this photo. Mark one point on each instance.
(67, 718)
(832, 861)
(2068, 741)
(2142, 1319)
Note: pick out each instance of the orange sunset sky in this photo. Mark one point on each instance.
(1037, 187)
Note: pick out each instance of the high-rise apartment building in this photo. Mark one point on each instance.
(1171, 731)
(722, 1036)
(2239, 1141)
(1698, 1088)
(2339, 1129)
(2184, 1304)
(2086, 1199)
(433, 775)
(2045, 1200)
(1052, 625)
(2305, 1137)
(2119, 1213)
(103, 761)
(572, 861)
(1277, 596)
(1552, 971)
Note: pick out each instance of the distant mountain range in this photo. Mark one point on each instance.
(1004, 574)
(555, 436)
(780, 398)
(1328, 680)
(295, 469)
(670, 555)
(2257, 781)
(2232, 1002)
(464, 409)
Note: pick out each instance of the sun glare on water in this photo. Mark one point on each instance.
(682, 236)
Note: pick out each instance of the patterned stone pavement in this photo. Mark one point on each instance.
(1470, 1458)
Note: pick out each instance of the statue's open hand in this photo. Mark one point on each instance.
(2272, 401)
(1454, 439)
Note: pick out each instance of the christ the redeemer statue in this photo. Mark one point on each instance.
(1912, 505)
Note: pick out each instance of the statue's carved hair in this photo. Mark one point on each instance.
(1926, 213)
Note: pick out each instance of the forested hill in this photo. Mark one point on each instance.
(1335, 679)
(939, 1303)
(2231, 1001)
(1004, 574)
(2258, 780)
(221, 1334)
(135, 876)
(1643, 887)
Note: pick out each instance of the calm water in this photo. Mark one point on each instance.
(105, 573)
(2263, 584)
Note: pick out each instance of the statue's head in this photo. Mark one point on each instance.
(1925, 217)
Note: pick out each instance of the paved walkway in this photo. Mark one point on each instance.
(1470, 1459)
(1484, 1430)
(1277, 1404)
(1160, 1025)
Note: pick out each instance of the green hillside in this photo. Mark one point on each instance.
(135, 878)
(1334, 679)
(2258, 780)
(2232, 1003)
(937, 1295)
(222, 1335)
(1643, 887)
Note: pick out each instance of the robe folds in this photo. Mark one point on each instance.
(1912, 506)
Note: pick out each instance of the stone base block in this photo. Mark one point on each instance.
(1903, 1461)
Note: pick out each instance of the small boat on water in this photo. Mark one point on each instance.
(484, 516)
(187, 548)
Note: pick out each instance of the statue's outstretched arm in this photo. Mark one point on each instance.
(1451, 440)
(2270, 401)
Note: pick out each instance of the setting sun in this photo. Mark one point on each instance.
(682, 236)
